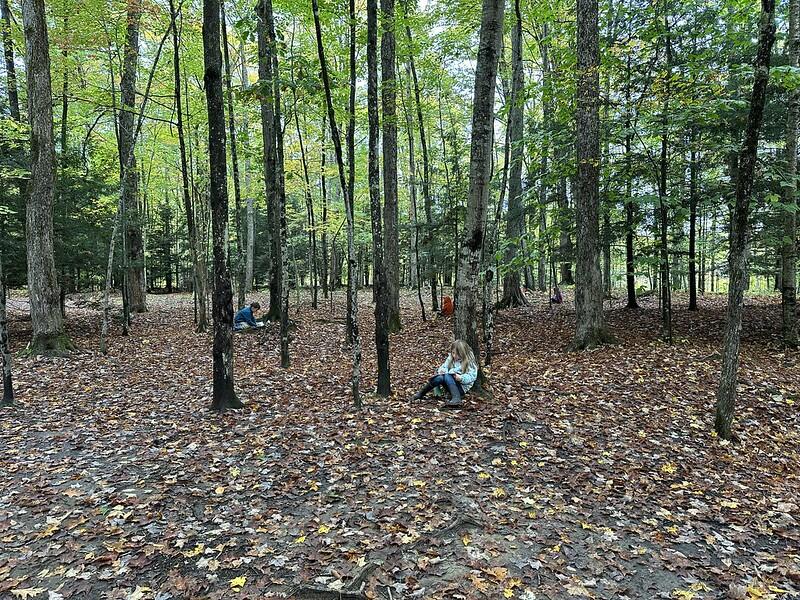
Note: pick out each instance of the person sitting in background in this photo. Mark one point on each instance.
(557, 297)
(246, 317)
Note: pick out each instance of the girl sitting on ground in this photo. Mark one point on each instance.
(457, 373)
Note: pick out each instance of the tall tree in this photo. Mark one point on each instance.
(740, 227)
(466, 317)
(48, 325)
(693, 198)
(590, 329)
(515, 218)
(281, 256)
(390, 207)
(249, 201)
(8, 51)
(5, 351)
(237, 184)
(789, 246)
(380, 272)
(348, 199)
(224, 395)
(430, 268)
(198, 257)
(136, 284)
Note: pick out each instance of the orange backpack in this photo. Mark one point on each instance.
(447, 306)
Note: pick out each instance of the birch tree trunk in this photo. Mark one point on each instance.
(590, 330)
(467, 290)
(48, 324)
(740, 229)
(224, 396)
(789, 249)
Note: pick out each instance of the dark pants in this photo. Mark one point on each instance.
(447, 380)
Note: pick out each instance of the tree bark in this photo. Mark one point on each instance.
(48, 324)
(267, 101)
(135, 284)
(663, 200)
(390, 207)
(237, 187)
(224, 395)
(337, 146)
(515, 218)
(382, 304)
(324, 188)
(590, 328)
(630, 207)
(740, 230)
(789, 246)
(467, 291)
(280, 207)
(249, 201)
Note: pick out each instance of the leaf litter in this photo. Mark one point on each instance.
(592, 475)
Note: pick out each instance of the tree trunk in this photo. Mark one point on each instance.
(590, 328)
(8, 51)
(430, 268)
(352, 280)
(630, 207)
(280, 207)
(48, 325)
(249, 201)
(467, 291)
(324, 187)
(237, 188)
(198, 257)
(547, 117)
(337, 146)
(312, 227)
(789, 247)
(390, 207)
(663, 200)
(224, 395)
(135, 284)
(693, 168)
(5, 351)
(515, 218)
(267, 101)
(380, 271)
(740, 230)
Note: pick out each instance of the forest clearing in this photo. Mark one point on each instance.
(368, 299)
(592, 475)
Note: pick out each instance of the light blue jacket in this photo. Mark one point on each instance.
(467, 378)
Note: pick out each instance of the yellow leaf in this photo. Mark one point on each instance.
(195, 552)
(220, 490)
(323, 529)
(508, 593)
(499, 573)
(523, 444)
(237, 583)
(683, 594)
(234, 471)
(483, 475)
(480, 584)
(668, 468)
(673, 529)
(419, 483)
(754, 592)
(416, 420)
(498, 492)
(466, 539)
(300, 539)
(729, 504)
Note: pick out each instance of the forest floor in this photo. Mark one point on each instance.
(591, 475)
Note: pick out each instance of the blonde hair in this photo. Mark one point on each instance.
(464, 353)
